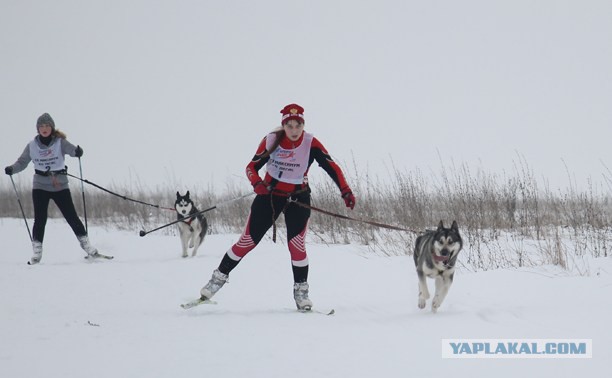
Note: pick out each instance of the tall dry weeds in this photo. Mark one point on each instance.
(507, 221)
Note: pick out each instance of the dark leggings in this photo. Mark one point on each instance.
(63, 200)
(264, 210)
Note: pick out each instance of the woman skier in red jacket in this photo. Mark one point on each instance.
(287, 153)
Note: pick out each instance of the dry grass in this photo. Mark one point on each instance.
(505, 221)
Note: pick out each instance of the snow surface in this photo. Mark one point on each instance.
(68, 317)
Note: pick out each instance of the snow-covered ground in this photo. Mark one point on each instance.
(71, 318)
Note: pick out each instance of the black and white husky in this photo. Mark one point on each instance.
(435, 255)
(192, 228)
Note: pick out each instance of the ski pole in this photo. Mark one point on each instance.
(21, 207)
(83, 194)
(143, 232)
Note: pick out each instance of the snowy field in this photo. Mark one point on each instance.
(71, 318)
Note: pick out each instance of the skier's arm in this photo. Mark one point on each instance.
(320, 154)
(23, 160)
(68, 148)
(252, 169)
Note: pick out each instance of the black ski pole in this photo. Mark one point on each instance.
(143, 232)
(21, 207)
(83, 194)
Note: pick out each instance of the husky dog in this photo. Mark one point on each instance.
(192, 229)
(435, 254)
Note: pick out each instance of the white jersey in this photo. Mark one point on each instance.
(48, 158)
(289, 165)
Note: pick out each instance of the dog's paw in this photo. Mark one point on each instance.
(184, 255)
(191, 244)
(422, 303)
(435, 305)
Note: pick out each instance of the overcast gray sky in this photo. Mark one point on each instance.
(181, 92)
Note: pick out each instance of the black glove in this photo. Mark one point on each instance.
(78, 152)
(8, 170)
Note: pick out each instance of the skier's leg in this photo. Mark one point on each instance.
(258, 222)
(40, 200)
(296, 220)
(63, 200)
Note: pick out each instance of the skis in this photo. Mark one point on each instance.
(197, 302)
(88, 258)
(200, 301)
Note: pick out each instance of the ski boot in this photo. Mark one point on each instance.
(216, 282)
(300, 294)
(37, 249)
(87, 247)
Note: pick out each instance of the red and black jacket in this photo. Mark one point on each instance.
(317, 152)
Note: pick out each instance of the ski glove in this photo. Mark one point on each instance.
(348, 197)
(78, 152)
(260, 188)
(8, 170)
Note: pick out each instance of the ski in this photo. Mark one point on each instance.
(317, 311)
(88, 257)
(99, 256)
(197, 302)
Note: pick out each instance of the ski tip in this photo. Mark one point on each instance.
(99, 256)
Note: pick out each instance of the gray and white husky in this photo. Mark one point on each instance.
(192, 228)
(435, 255)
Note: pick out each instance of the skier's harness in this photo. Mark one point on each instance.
(49, 172)
(52, 174)
(290, 199)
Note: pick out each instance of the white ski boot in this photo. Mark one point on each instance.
(216, 282)
(37, 249)
(87, 247)
(300, 294)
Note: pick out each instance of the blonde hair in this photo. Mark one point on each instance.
(59, 134)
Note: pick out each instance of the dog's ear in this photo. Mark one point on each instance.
(454, 227)
(178, 195)
(440, 225)
(187, 195)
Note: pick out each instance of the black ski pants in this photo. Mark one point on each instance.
(264, 212)
(63, 200)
